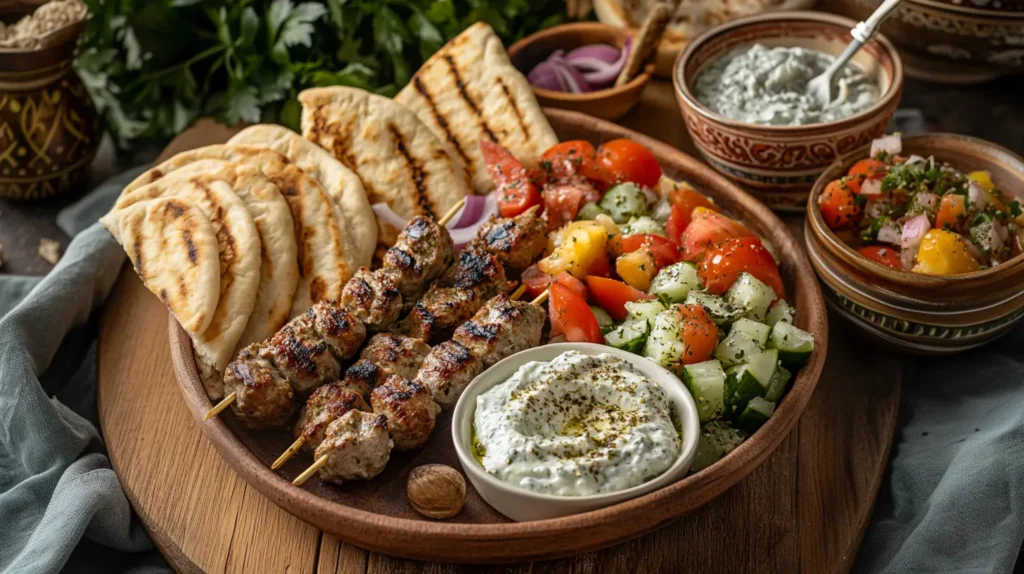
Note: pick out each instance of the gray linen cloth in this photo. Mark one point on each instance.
(56, 484)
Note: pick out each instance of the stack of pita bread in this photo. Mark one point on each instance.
(238, 238)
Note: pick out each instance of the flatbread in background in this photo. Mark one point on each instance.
(239, 249)
(400, 161)
(341, 183)
(469, 91)
(325, 252)
(173, 247)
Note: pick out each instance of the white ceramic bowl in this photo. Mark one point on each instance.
(523, 505)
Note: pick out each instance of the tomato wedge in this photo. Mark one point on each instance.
(883, 254)
(708, 228)
(570, 315)
(700, 334)
(567, 159)
(869, 168)
(838, 205)
(624, 160)
(516, 191)
(723, 263)
(665, 252)
(684, 201)
(612, 295)
(574, 284)
(562, 201)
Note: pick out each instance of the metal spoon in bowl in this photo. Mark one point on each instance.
(823, 87)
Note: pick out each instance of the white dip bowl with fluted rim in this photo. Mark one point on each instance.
(524, 505)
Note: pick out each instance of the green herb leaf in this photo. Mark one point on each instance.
(243, 106)
(250, 25)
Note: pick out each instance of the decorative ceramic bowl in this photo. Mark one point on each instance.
(955, 41)
(911, 311)
(523, 505)
(781, 163)
(608, 104)
(49, 128)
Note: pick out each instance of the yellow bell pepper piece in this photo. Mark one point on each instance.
(582, 242)
(944, 253)
(983, 178)
(637, 269)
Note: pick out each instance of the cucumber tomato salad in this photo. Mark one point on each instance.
(649, 265)
(918, 214)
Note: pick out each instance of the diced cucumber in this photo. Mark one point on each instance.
(664, 343)
(717, 439)
(748, 380)
(604, 320)
(736, 347)
(795, 345)
(624, 202)
(750, 295)
(777, 386)
(780, 311)
(643, 224)
(757, 331)
(674, 283)
(590, 211)
(629, 336)
(721, 311)
(757, 413)
(706, 382)
(647, 309)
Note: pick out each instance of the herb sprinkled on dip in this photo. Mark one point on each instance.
(768, 86)
(576, 426)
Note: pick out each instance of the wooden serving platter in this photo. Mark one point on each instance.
(805, 509)
(376, 515)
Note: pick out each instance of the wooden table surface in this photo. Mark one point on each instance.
(804, 509)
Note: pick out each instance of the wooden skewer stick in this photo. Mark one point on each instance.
(451, 213)
(306, 474)
(219, 407)
(294, 448)
(541, 298)
(517, 293)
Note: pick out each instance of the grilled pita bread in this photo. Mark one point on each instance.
(238, 244)
(400, 161)
(173, 247)
(325, 252)
(469, 91)
(341, 183)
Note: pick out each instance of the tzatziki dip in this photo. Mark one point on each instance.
(768, 86)
(576, 426)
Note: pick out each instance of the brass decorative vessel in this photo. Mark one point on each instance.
(49, 127)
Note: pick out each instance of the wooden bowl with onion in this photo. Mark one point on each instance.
(909, 311)
(610, 103)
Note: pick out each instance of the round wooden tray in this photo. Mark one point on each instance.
(375, 514)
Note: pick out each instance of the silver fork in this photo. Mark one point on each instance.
(822, 88)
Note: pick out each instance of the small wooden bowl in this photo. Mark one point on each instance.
(913, 312)
(781, 163)
(608, 104)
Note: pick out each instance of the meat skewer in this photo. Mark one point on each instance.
(499, 329)
(374, 299)
(384, 357)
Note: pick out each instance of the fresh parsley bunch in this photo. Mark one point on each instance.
(154, 66)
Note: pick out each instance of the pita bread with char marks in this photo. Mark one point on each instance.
(400, 161)
(341, 183)
(239, 248)
(468, 92)
(325, 252)
(173, 247)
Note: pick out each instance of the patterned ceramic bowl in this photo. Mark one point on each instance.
(781, 163)
(910, 311)
(956, 41)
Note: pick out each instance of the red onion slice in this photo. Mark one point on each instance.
(913, 232)
(463, 227)
(593, 62)
(388, 216)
